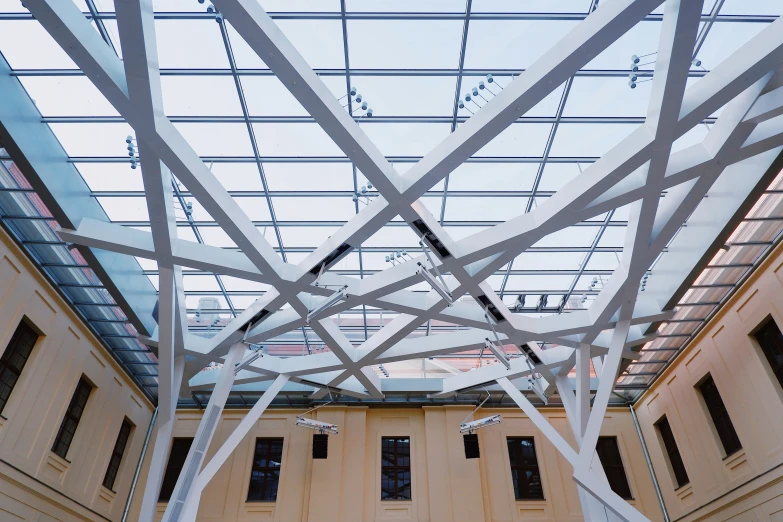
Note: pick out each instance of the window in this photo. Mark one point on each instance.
(395, 468)
(675, 460)
(524, 469)
(265, 474)
(771, 341)
(609, 453)
(72, 417)
(14, 358)
(116, 454)
(720, 417)
(179, 452)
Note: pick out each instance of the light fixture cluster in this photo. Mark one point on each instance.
(134, 157)
(633, 77)
(363, 194)
(643, 286)
(398, 257)
(479, 92)
(211, 9)
(362, 108)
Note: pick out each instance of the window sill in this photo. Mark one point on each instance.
(57, 466)
(732, 454)
(684, 493)
(678, 488)
(106, 494)
(266, 502)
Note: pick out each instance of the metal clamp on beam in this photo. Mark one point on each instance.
(534, 380)
(445, 294)
(340, 295)
(497, 351)
(534, 384)
(495, 347)
(247, 361)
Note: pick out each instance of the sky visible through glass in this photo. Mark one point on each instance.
(408, 59)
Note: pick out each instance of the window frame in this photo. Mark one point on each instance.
(117, 454)
(168, 468)
(776, 372)
(397, 468)
(524, 468)
(6, 365)
(268, 456)
(84, 389)
(668, 452)
(715, 407)
(616, 467)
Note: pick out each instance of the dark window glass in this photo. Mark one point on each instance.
(179, 452)
(524, 468)
(14, 358)
(680, 475)
(395, 468)
(116, 454)
(609, 453)
(72, 417)
(720, 417)
(771, 341)
(265, 474)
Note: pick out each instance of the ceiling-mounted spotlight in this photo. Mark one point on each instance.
(470, 427)
(312, 424)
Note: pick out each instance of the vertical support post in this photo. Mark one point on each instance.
(183, 490)
(582, 389)
(160, 451)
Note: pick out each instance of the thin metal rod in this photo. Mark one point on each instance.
(138, 466)
(649, 465)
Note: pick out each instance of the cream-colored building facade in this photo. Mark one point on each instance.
(37, 485)
(746, 486)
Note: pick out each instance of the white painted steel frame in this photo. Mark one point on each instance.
(634, 172)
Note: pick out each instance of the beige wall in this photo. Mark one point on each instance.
(748, 485)
(36, 484)
(446, 487)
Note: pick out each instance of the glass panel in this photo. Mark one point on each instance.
(587, 140)
(217, 139)
(66, 95)
(190, 44)
(406, 139)
(607, 96)
(521, 139)
(200, 96)
(294, 139)
(511, 44)
(404, 44)
(406, 6)
(27, 45)
(530, 6)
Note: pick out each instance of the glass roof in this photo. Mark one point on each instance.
(412, 61)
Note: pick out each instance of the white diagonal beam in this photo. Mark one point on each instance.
(240, 432)
(183, 490)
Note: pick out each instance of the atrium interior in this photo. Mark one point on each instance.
(373, 260)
